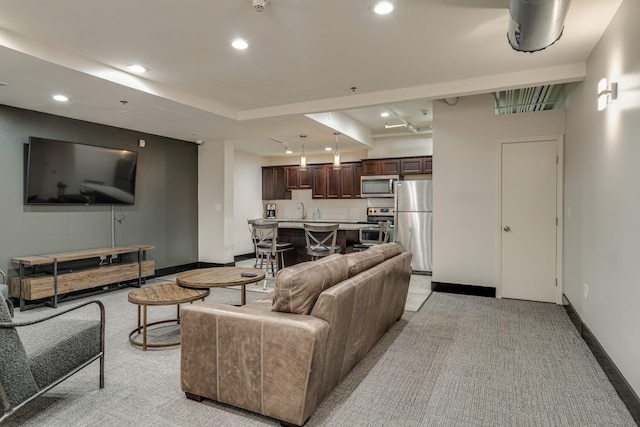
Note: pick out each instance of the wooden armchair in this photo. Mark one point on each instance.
(37, 355)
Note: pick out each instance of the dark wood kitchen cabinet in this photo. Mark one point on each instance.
(297, 179)
(357, 174)
(334, 180)
(349, 184)
(318, 181)
(336, 184)
(416, 165)
(398, 166)
(274, 186)
(381, 167)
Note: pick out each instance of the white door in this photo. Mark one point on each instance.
(529, 220)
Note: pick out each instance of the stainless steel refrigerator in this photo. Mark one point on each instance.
(414, 221)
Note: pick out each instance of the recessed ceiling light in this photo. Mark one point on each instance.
(239, 44)
(384, 114)
(60, 98)
(138, 69)
(383, 8)
(328, 148)
(288, 150)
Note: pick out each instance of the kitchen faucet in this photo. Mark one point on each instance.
(301, 205)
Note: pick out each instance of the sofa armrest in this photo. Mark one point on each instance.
(263, 361)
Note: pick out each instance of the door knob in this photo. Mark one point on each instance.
(507, 228)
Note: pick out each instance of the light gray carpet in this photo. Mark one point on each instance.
(459, 361)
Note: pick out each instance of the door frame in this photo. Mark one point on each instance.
(559, 139)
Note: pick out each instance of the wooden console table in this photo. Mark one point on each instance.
(33, 284)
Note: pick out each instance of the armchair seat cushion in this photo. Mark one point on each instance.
(57, 347)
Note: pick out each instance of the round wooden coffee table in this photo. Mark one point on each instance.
(163, 294)
(220, 277)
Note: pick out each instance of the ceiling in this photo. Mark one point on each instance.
(332, 59)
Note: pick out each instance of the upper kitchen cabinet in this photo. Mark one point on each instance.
(319, 181)
(416, 165)
(357, 174)
(336, 184)
(381, 167)
(297, 179)
(274, 185)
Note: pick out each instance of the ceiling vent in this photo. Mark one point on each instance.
(525, 100)
(536, 24)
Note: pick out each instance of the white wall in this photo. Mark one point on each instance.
(215, 202)
(602, 191)
(247, 193)
(465, 184)
(405, 146)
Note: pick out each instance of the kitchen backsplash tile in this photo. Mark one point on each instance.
(342, 209)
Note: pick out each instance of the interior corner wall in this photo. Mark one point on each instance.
(602, 195)
(215, 202)
(165, 210)
(247, 203)
(465, 173)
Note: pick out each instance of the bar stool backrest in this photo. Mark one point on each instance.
(321, 238)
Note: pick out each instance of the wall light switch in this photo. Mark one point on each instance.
(142, 143)
(586, 292)
(217, 207)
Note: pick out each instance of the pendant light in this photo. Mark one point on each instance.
(303, 157)
(336, 155)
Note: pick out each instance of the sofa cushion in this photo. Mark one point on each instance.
(363, 260)
(389, 250)
(297, 287)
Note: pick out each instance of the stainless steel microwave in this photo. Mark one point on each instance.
(378, 186)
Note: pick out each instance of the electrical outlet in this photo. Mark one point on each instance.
(586, 292)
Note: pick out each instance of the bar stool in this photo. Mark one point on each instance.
(384, 236)
(269, 252)
(317, 238)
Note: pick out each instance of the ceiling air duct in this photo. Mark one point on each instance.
(536, 24)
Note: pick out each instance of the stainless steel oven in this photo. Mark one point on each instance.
(371, 233)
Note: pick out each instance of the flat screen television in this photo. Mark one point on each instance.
(68, 173)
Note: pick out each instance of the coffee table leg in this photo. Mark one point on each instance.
(144, 329)
(178, 314)
(243, 298)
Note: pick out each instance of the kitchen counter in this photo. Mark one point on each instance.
(292, 231)
(343, 224)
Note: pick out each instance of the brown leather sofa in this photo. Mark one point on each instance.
(281, 357)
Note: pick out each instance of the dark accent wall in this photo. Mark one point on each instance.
(165, 213)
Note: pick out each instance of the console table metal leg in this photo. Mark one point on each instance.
(55, 283)
(20, 286)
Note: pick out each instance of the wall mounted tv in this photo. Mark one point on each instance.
(67, 173)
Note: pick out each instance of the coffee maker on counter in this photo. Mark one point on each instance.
(271, 211)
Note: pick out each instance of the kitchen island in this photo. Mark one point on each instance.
(292, 231)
